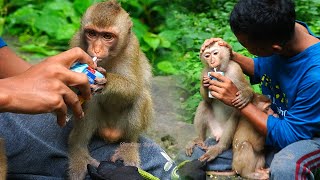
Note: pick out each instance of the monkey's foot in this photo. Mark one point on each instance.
(189, 148)
(128, 152)
(78, 169)
(258, 176)
(192, 144)
(212, 153)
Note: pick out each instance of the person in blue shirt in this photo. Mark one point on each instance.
(32, 98)
(287, 67)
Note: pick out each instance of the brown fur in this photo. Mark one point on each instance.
(124, 108)
(248, 145)
(3, 160)
(212, 114)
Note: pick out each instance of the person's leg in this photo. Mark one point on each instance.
(297, 160)
(36, 148)
(154, 160)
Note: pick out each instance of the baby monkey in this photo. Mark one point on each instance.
(248, 144)
(213, 114)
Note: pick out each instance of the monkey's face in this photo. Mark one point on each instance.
(100, 41)
(215, 56)
(265, 106)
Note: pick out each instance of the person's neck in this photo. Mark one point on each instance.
(301, 41)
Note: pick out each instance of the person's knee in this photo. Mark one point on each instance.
(283, 165)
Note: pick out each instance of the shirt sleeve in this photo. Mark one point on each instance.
(2, 43)
(302, 120)
(256, 78)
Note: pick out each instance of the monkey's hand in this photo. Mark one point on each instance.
(99, 83)
(241, 100)
(205, 81)
(210, 41)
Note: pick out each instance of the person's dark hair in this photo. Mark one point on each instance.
(264, 20)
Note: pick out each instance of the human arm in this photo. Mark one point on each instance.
(10, 63)
(44, 87)
(226, 91)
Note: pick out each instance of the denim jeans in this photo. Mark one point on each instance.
(36, 148)
(296, 161)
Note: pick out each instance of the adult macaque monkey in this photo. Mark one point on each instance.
(124, 107)
(248, 144)
(211, 113)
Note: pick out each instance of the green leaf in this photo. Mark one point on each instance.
(25, 15)
(152, 40)
(42, 40)
(139, 28)
(50, 24)
(81, 5)
(2, 20)
(38, 49)
(166, 67)
(169, 35)
(66, 32)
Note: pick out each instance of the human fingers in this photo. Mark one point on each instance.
(61, 113)
(72, 100)
(219, 77)
(223, 43)
(208, 42)
(80, 81)
(70, 56)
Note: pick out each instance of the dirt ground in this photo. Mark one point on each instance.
(168, 128)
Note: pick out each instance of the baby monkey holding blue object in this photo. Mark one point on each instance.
(211, 113)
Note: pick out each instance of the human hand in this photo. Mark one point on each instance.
(44, 87)
(220, 41)
(223, 89)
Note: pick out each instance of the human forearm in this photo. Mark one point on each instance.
(245, 63)
(256, 117)
(11, 64)
(4, 97)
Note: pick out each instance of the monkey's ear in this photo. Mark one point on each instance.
(130, 25)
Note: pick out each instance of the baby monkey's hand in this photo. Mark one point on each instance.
(206, 79)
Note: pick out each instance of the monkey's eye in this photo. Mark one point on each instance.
(267, 109)
(91, 33)
(206, 55)
(107, 36)
(215, 52)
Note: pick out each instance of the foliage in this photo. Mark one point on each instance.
(170, 32)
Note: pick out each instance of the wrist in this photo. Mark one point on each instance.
(4, 97)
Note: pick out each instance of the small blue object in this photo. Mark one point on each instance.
(2, 43)
(83, 68)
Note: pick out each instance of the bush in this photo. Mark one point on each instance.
(170, 32)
